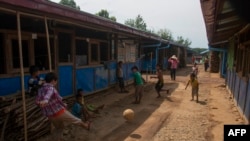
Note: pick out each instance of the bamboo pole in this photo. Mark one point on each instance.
(48, 43)
(22, 74)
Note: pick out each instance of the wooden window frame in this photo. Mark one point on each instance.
(108, 51)
(81, 39)
(9, 35)
(10, 57)
(90, 62)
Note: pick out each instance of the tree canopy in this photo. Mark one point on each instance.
(70, 3)
(105, 14)
(186, 42)
(166, 34)
(138, 23)
(199, 50)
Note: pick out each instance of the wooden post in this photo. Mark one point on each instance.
(22, 74)
(48, 43)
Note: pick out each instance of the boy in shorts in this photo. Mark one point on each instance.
(160, 82)
(52, 106)
(195, 86)
(138, 82)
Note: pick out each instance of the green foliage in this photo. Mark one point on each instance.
(130, 22)
(113, 18)
(185, 42)
(230, 56)
(165, 34)
(138, 23)
(198, 50)
(70, 3)
(105, 14)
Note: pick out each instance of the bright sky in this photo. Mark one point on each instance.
(182, 17)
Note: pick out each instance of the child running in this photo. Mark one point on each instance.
(195, 86)
(160, 82)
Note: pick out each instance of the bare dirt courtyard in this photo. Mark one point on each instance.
(170, 118)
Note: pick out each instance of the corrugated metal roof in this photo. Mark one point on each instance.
(203, 52)
(222, 20)
(54, 10)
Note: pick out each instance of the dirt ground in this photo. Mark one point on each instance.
(170, 118)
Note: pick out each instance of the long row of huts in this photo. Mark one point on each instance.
(228, 32)
(83, 49)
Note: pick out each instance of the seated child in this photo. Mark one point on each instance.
(34, 82)
(79, 110)
(89, 107)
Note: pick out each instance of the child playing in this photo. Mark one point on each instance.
(195, 86)
(160, 82)
(89, 107)
(34, 81)
(52, 106)
(79, 110)
(195, 70)
(138, 81)
(119, 73)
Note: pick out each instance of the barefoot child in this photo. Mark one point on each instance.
(160, 82)
(119, 73)
(52, 106)
(79, 110)
(195, 86)
(139, 82)
(89, 107)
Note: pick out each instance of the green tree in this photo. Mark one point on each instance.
(113, 18)
(130, 22)
(165, 34)
(185, 42)
(70, 3)
(198, 50)
(105, 14)
(138, 23)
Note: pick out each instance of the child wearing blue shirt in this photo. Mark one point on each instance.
(35, 81)
(79, 109)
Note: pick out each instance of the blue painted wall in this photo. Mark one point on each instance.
(90, 79)
(237, 87)
(65, 80)
(242, 94)
(165, 63)
(146, 65)
(112, 72)
(85, 79)
(247, 108)
(101, 78)
(13, 84)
